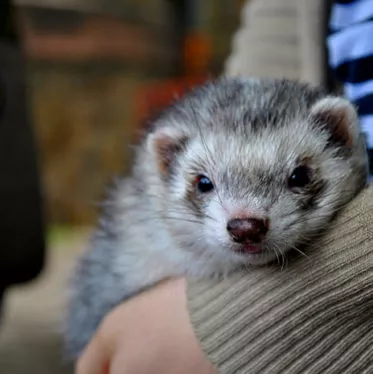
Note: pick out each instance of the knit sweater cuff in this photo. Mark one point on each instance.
(292, 320)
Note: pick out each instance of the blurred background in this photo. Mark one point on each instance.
(95, 70)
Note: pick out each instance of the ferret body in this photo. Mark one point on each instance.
(236, 173)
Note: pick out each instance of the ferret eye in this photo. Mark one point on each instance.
(204, 184)
(300, 177)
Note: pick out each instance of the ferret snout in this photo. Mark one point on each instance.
(247, 230)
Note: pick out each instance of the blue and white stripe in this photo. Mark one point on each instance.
(350, 45)
(342, 16)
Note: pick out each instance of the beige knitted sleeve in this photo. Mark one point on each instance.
(279, 38)
(314, 316)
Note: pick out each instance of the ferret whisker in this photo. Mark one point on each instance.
(176, 210)
(160, 218)
(181, 209)
(280, 255)
(287, 214)
(275, 250)
(180, 219)
(282, 262)
(285, 261)
(300, 251)
(316, 218)
(187, 212)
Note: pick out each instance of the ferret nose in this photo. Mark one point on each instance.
(247, 230)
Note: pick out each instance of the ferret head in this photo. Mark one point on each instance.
(247, 169)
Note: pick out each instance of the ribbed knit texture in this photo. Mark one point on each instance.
(314, 316)
(279, 38)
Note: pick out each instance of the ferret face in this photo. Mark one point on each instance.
(241, 187)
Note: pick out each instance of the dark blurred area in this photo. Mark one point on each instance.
(97, 69)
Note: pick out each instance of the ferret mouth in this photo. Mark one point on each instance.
(249, 249)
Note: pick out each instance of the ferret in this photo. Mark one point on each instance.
(236, 173)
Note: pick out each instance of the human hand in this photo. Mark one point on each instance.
(150, 333)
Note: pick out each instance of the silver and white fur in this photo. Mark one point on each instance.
(247, 136)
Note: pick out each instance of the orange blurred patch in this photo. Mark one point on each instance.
(154, 97)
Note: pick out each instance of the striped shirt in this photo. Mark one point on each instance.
(350, 47)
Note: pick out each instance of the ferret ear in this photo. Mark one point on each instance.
(166, 144)
(337, 116)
